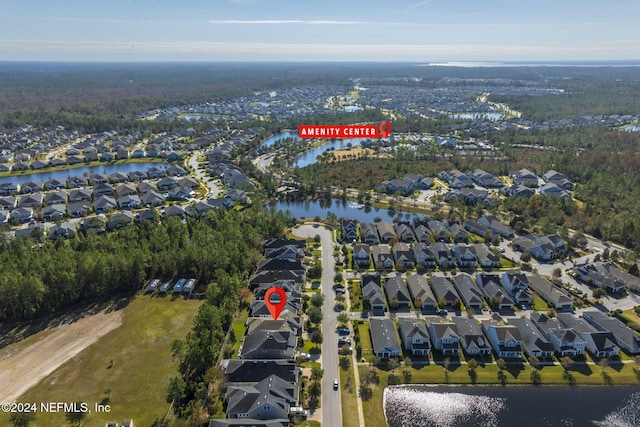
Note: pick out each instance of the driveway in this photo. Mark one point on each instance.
(331, 404)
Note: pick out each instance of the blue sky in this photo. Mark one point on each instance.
(327, 30)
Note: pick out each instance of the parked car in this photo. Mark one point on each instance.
(344, 331)
(344, 340)
(335, 384)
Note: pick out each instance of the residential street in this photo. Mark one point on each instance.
(331, 404)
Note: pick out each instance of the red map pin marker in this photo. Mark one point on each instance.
(275, 308)
(385, 129)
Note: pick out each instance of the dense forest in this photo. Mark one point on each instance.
(39, 277)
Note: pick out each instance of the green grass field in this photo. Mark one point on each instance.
(134, 361)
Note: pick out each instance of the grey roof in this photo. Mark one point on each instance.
(532, 340)
(470, 334)
(383, 335)
(624, 336)
(443, 289)
(419, 288)
(468, 290)
(269, 345)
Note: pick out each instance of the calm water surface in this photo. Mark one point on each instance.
(81, 171)
(470, 406)
(341, 208)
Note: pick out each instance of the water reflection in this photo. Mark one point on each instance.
(413, 408)
(627, 415)
(467, 406)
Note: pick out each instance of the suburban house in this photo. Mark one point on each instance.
(349, 227)
(444, 335)
(386, 231)
(485, 179)
(240, 371)
(444, 256)
(79, 195)
(598, 275)
(626, 339)
(361, 256)
(424, 256)
(369, 234)
(104, 204)
(53, 212)
(56, 197)
(553, 295)
(286, 252)
(558, 178)
(465, 257)
(505, 339)
(372, 293)
(524, 177)
(404, 232)
(542, 248)
(439, 231)
(415, 337)
(598, 343)
(270, 276)
(152, 198)
(534, 342)
(471, 294)
(397, 293)
(445, 292)
(269, 345)
(31, 201)
(102, 189)
(384, 338)
(423, 297)
(553, 190)
(478, 228)
(119, 220)
(473, 341)
(486, 258)
(382, 259)
(403, 256)
(422, 233)
(496, 295)
(270, 398)
(518, 286)
(496, 226)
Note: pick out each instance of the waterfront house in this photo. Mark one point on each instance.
(505, 339)
(384, 338)
(444, 335)
(472, 340)
(415, 337)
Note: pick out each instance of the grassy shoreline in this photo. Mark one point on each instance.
(618, 374)
(82, 165)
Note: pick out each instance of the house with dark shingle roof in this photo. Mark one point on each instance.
(471, 294)
(269, 345)
(414, 336)
(552, 294)
(598, 343)
(384, 338)
(624, 337)
(496, 295)
(505, 339)
(444, 291)
(472, 339)
(420, 291)
(534, 342)
(444, 335)
(397, 293)
(270, 398)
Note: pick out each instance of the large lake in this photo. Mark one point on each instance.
(521, 406)
(310, 157)
(81, 171)
(341, 208)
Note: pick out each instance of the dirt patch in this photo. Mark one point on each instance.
(26, 367)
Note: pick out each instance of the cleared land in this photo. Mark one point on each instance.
(132, 360)
(23, 365)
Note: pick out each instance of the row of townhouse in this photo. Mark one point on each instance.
(538, 336)
(499, 292)
(262, 384)
(422, 230)
(405, 256)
